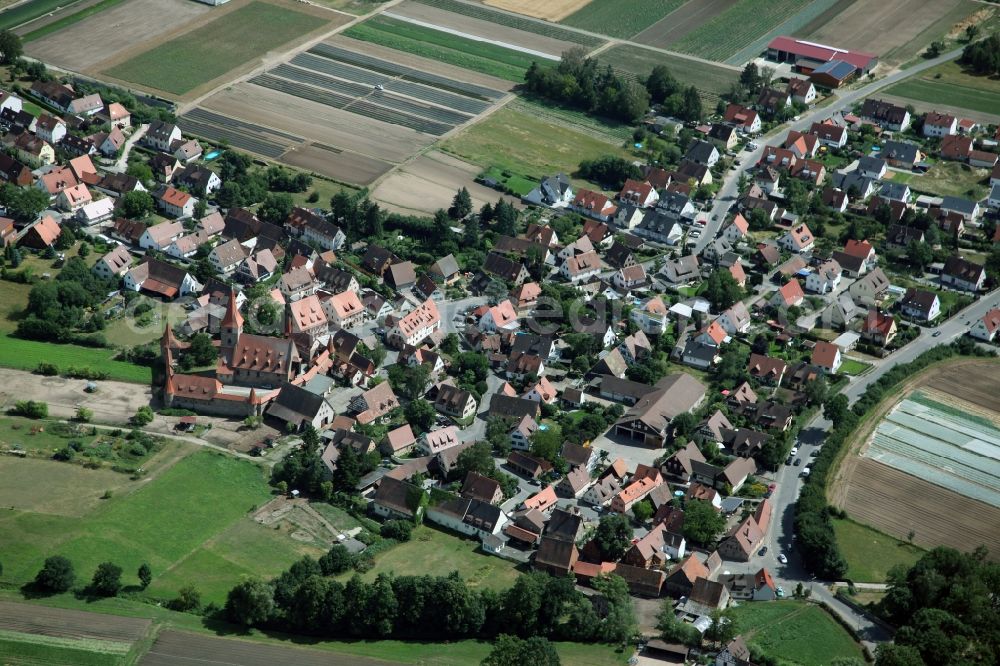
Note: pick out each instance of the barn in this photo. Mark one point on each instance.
(807, 56)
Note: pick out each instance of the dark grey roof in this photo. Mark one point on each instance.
(900, 151)
(958, 204)
(869, 163)
(701, 152)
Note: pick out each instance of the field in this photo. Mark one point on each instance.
(869, 553)
(479, 56)
(620, 18)
(515, 36)
(551, 10)
(83, 46)
(710, 80)
(27, 354)
(953, 178)
(948, 85)
(187, 522)
(437, 553)
(796, 631)
(206, 53)
(517, 22)
(70, 18)
(882, 486)
(526, 145)
(732, 29)
(690, 16)
(861, 26)
(30, 10)
(429, 182)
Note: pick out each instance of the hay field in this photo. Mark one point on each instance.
(550, 10)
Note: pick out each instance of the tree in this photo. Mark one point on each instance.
(613, 536)
(835, 409)
(691, 108)
(84, 415)
(250, 603)
(337, 560)
(723, 628)
(609, 171)
(348, 471)
(461, 205)
(935, 49)
(893, 654)
(142, 417)
(107, 581)
(56, 575)
(188, 600)
(702, 522)
(513, 651)
(136, 205)
(920, 254)
(23, 204)
(10, 47)
(145, 575)
(547, 443)
(642, 511)
(661, 84)
(971, 32)
(477, 458)
(505, 216)
(409, 382)
(32, 409)
(750, 78)
(201, 350)
(140, 170)
(817, 391)
(420, 414)
(276, 207)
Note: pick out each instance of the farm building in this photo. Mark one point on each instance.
(808, 56)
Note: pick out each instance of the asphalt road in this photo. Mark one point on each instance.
(845, 99)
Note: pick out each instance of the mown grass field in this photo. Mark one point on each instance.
(27, 354)
(948, 84)
(185, 522)
(797, 631)
(869, 553)
(620, 18)
(437, 45)
(21, 648)
(186, 62)
(731, 30)
(70, 19)
(524, 144)
(710, 80)
(434, 552)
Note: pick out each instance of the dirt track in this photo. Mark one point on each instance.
(173, 648)
(45, 621)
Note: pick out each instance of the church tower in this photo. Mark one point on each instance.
(232, 323)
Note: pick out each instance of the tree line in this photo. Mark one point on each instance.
(983, 57)
(305, 599)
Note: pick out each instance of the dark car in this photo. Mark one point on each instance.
(762, 551)
(797, 461)
(788, 461)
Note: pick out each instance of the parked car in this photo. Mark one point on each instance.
(794, 450)
(762, 551)
(782, 558)
(788, 460)
(936, 334)
(798, 461)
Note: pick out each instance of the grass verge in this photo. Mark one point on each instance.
(462, 52)
(870, 553)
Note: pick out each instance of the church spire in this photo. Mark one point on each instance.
(232, 323)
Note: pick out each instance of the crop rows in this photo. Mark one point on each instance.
(302, 91)
(419, 91)
(233, 138)
(409, 73)
(728, 32)
(29, 11)
(321, 81)
(211, 117)
(620, 18)
(418, 109)
(378, 112)
(516, 22)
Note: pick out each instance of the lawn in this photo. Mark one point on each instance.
(470, 54)
(710, 80)
(208, 52)
(729, 31)
(952, 179)
(620, 18)
(869, 553)
(852, 367)
(796, 631)
(948, 84)
(613, 132)
(516, 183)
(27, 354)
(70, 19)
(188, 508)
(524, 144)
(438, 553)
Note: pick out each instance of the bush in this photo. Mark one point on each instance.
(143, 416)
(56, 575)
(400, 530)
(107, 581)
(31, 409)
(188, 600)
(47, 369)
(336, 561)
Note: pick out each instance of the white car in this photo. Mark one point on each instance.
(795, 450)
(805, 471)
(782, 558)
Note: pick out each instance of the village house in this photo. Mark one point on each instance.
(790, 295)
(871, 289)
(920, 304)
(455, 402)
(985, 329)
(416, 326)
(878, 328)
(937, 125)
(798, 239)
(174, 202)
(963, 274)
(825, 278)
